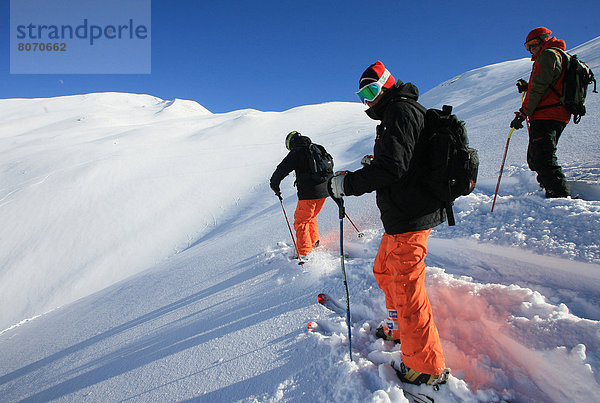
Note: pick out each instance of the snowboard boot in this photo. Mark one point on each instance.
(408, 375)
(381, 333)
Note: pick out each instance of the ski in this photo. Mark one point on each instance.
(336, 306)
(321, 327)
(418, 398)
(324, 326)
(332, 304)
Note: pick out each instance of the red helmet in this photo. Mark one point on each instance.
(542, 33)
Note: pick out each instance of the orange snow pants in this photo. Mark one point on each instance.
(400, 273)
(305, 224)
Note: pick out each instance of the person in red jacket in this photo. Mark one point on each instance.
(541, 106)
(408, 213)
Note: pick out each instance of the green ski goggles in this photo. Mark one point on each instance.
(370, 91)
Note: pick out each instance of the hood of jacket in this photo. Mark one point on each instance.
(399, 90)
(550, 43)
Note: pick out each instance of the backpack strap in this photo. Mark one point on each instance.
(564, 59)
(306, 151)
(446, 110)
(312, 159)
(414, 103)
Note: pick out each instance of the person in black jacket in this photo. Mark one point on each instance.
(408, 213)
(311, 195)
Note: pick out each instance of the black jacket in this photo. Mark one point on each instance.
(298, 160)
(395, 169)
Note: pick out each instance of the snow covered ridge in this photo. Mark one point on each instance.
(81, 106)
(151, 225)
(97, 187)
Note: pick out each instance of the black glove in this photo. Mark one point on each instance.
(522, 85)
(517, 122)
(366, 160)
(276, 189)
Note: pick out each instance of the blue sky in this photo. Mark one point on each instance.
(275, 55)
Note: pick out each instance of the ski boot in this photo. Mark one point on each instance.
(407, 375)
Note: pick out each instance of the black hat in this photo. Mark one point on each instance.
(290, 138)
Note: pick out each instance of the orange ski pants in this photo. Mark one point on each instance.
(305, 224)
(400, 273)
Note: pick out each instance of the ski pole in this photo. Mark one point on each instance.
(504, 157)
(290, 228)
(502, 167)
(360, 234)
(340, 203)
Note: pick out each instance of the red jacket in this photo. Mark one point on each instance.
(540, 103)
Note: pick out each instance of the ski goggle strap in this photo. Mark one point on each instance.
(370, 91)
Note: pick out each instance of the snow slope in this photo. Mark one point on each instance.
(143, 256)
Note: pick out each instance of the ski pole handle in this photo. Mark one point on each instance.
(340, 203)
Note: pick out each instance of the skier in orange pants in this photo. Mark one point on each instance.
(400, 273)
(313, 167)
(305, 224)
(408, 213)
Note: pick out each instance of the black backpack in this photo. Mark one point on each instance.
(448, 165)
(320, 163)
(575, 82)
